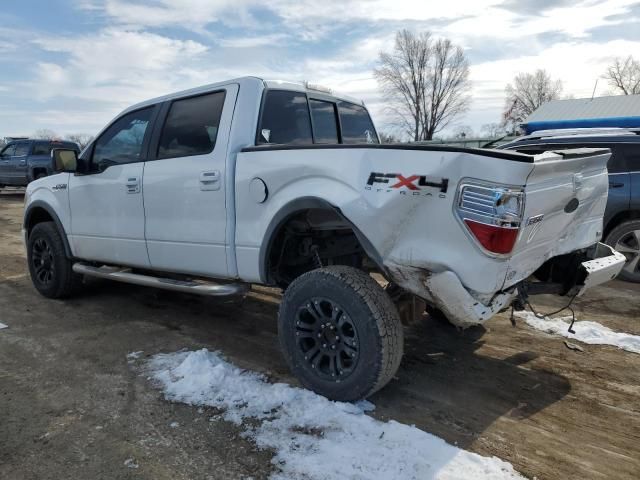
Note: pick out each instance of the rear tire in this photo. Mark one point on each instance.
(49, 267)
(625, 238)
(340, 333)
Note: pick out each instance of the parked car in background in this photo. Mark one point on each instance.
(22, 161)
(622, 216)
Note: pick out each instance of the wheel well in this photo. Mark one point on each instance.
(37, 215)
(37, 171)
(311, 238)
(619, 218)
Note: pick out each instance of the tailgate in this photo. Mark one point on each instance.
(566, 195)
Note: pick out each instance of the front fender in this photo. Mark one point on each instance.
(51, 195)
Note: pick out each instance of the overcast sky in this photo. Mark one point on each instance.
(70, 66)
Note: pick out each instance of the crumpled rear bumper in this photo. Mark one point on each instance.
(445, 291)
(605, 265)
(459, 306)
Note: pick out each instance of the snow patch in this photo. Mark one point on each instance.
(2, 325)
(586, 331)
(134, 355)
(315, 438)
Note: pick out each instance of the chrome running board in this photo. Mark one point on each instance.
(121, 274)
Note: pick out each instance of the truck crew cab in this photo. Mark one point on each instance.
(286, 184)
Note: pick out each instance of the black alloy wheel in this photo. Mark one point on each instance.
(42, 261)
(327, 339)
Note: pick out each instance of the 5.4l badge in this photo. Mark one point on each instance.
(407, 184)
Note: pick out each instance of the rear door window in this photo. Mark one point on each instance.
(631, 155)
(8, 151)
(356, 123)
(285, 119)
(192, 126)
(42, 149)
(325, 127)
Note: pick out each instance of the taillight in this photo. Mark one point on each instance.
(492, 214)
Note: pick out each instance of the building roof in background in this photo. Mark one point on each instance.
(587, 108)
(621, 111)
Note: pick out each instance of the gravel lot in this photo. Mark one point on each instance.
(73, 406)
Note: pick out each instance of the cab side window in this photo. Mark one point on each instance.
(325, 126)
(285, 119)
(8, 151)
(627, 158)
(42, 149)
(122, 142)
(357, 126)
(191, 127)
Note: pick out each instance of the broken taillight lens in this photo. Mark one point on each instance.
(492, 214)
(494, 239)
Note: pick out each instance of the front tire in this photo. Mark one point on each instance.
(340, 333)
(625, 238)
(49, 267)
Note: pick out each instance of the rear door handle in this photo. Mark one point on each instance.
(133, 185)
(616, 185)
(210, 180)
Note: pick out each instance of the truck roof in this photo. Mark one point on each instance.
(249, 81)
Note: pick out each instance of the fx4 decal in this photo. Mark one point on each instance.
(416, 184)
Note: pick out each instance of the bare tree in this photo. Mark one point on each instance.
(493, 130)
(425, 82)
(45, 134)
(624, 75)
(527, 92)
(463, 131)
(82, 139)
(386, 137)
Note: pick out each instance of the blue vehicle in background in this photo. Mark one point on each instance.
(25, 160)
(622, 216)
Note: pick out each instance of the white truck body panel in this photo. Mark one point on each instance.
(107, 222)
(407, 229)
(185, 207)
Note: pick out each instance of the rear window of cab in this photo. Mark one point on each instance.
(295, 118)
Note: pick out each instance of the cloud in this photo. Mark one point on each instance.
(533, 7)
(253, 42)
(124, 51)
(112, 62)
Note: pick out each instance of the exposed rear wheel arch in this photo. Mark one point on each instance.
(313, 233)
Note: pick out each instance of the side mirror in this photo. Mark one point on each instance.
(63, 160)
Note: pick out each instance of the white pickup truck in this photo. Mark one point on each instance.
(251, 181)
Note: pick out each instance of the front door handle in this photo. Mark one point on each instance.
(133, 185)
(616, 185)
(210, 180)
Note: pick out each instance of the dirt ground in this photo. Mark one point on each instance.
(72, 406)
